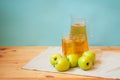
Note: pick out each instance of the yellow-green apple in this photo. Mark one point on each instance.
(73, 60)
(62, 64)
(54, 58)
(89, 54)
(85, 63)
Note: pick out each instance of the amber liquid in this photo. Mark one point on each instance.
(77, 43)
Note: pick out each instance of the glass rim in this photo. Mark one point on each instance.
(78, 20)
(69, 36)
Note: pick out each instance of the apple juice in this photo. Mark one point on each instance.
(77, 43)
(79, 36)
(67, 46)
(74, 46)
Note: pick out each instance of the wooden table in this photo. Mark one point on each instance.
(12, 59)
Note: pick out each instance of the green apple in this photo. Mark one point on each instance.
(89, 54)
(54, 58)
(62, 64)
(73, 60)
(85, 63)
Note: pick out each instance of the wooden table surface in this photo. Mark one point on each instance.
(12, 59)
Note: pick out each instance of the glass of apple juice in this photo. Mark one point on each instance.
(73, 45)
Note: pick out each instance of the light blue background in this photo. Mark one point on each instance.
(44, 22)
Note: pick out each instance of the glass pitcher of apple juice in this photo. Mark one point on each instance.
(76, 42)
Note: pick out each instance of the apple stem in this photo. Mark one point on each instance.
(55, 59)
(87, 63)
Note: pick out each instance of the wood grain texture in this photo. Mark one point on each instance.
(12, 59)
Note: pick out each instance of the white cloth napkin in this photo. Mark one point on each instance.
(107, 64)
